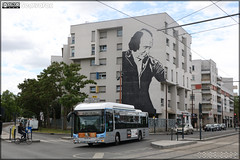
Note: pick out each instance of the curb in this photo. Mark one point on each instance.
(171, 144)
(67, 138)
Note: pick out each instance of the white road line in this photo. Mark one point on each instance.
(98, 155)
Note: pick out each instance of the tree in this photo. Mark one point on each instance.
(9, 106)
(50, 90)
(236, 107)
(29, 99)
(72, 82)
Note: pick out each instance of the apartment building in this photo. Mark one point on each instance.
(213, 92)
(100, 48)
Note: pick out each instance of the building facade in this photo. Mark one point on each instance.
(213, 92)
(100, 48)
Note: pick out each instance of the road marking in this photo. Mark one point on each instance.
(98, 155)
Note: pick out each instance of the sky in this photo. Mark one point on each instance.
(32, 34)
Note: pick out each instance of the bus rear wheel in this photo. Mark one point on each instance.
(139, 136)
(117, 139)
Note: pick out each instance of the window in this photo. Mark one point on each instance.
(103, 48)
(166, 26)
(103, 34)
(93, 36)
(185, 94)
(193, 77)
(162, 102)
(92, 89)
(92, 62)
(92, 76)
(177, 77)
(185, 106)
(167, 42)
(118, 88)
(166, 72)
(119, 60)
(93, 49)
(174, 60)
(72, 52)
(169, 89)
(193, 67)
(174, 46)
(178, 105)
(183, 53)
(167, 57)
(183, 66)
(175, 33)
(183, 40)
(102, 89)
(172, 75)
(101, 75)
(169, 103)
(192, 97)
(103, 61)
(73, 38)
(190, 57)
(119, 46)
(118, 75)
(190, 69)
(119, 32)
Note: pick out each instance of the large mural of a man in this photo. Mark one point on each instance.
(138, 68)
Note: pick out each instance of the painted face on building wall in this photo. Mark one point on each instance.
(146, 43)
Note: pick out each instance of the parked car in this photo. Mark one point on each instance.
(223, 126)
(209, 127)
(218, 127)
(187, 129)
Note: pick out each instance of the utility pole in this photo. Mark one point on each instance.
(166, 105)
(192, 109)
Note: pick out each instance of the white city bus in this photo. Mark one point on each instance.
(108, 122)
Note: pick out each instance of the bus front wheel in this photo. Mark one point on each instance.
(90, 144)
(117, 139)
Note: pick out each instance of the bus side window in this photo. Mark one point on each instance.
(109, 121)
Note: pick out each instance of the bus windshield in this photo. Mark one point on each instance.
(89, 121)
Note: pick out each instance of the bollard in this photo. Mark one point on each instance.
(171, 134)
(177, 134)
(14, 133)
(10, 133)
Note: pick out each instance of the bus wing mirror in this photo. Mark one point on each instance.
(68, 116)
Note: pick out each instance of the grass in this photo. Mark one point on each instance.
(52, 130)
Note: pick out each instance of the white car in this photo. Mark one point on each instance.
(187, 129)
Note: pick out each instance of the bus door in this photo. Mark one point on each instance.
(109, 120)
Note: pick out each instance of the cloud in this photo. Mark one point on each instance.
(31, 35)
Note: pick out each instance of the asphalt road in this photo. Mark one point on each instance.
(54, 147)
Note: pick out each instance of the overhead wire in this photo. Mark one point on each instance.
(224, 12)
(161, 30)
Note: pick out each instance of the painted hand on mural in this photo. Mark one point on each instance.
(157, 69)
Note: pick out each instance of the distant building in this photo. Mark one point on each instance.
(99, 47)
(213, 92)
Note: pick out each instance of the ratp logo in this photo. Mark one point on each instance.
(10, 5)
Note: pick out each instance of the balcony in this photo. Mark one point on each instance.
(205, 71)
(206, 90)
(206, 100)
(206, 81)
